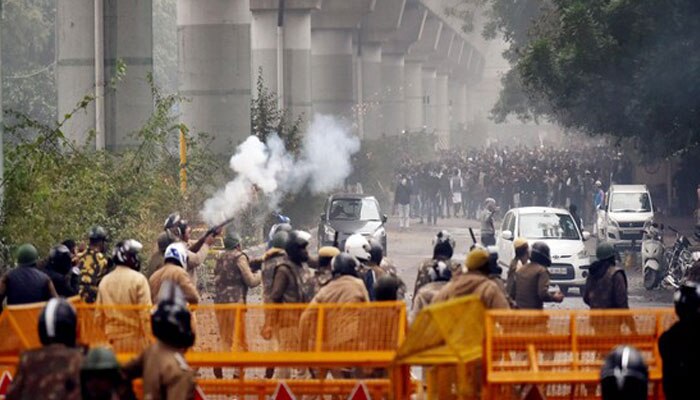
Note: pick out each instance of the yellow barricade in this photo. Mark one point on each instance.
(561, 351)
(305, 344)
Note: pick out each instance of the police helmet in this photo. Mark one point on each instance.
(376, 251)
(97, 234)
(177, 254)
(58, 323)
(60, 259)
(232, 240)
(279, 240)
(443, 245)
(540, 254)
(127, 253)
(27, 255)
(440, 272)
(687, 301)
(624, 374)
(296, 246)
(386, 288)
(171, 322)
(344, 264)
(176, 225)
(358, 246)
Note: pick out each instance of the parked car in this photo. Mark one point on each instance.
(557, 228)
(626, 210)
(348, 214)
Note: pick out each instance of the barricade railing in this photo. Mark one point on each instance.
(562, 351)
(303, 342)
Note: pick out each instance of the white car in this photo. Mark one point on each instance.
(557, 229)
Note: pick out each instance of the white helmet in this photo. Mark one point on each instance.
(358, 246)
(177, 253)
(598, 183)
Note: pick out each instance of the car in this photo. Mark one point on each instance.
(626, 210)
(348, 214)
(556, 228)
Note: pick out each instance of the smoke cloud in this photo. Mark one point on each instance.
(323, 165)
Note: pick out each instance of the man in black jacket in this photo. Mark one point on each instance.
(402, 199)
(26, 283)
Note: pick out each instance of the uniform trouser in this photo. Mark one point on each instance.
(226, 320)
(288, 340)
(404, 215)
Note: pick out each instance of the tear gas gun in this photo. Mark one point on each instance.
(213, 231)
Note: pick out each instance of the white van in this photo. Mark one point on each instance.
(625, 211)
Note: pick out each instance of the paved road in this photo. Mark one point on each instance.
(408, 247)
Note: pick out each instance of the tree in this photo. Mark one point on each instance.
(627, 68)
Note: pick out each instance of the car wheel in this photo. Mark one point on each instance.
(651, 277)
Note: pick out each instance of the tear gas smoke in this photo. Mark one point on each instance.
(323, 164)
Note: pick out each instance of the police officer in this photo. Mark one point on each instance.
(476, 281)
(679, 345)
(324, 270)
(162, 365)
(127, 329)
(439, 275)
(522, 256)
(156, 261)
(94, 264)
(53, 370)
(176, 256)
(530, 290)
(378, 267)
(60, 269)
(443, 249)
(624, 375)
(606, 285)
(26, 283)
(101, 378)
(179, 230)
(488, 230)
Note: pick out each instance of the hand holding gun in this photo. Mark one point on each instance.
(212, 232)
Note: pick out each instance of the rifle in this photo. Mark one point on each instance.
(213, 231)
(471, 233)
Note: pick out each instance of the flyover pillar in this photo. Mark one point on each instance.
(373, 89)
(75, 65)
(442, 111)
(413, 89)
(332, 71)
(394, 100)
(296, 54)
(430, 101)
(128, 37)
(214, 69)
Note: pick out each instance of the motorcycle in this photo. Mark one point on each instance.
(653, 260)
(679, 259)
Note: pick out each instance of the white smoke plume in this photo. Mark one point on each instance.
(323, 165)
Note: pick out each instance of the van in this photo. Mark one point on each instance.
(625, 211)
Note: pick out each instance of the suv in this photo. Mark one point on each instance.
(625, 211)
(555, 227)
(348, 214)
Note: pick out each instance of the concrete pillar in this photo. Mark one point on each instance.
(430, 100)
(75, 65)
(332, 71)
(297, 52)
(373, 90)
(413, 89)
(442, 111)
(214, 69)
(129, 37)
(457, 95)
(394, 101)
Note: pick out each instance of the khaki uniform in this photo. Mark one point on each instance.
(424, 297)
(154, 263)
(194, 260)
(531, 287)
(175, 273)
(165, 373)
(476, 283)
(50, 372)
(127, 330)
(271, 259)
(423, 277)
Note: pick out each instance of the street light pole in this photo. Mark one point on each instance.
(280, 55)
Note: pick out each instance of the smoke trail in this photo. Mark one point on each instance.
(323, 165)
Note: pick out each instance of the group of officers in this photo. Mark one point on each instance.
(288, 274)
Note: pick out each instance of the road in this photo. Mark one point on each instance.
(408, 247)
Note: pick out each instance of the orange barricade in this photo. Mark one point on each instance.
(306, 344)
(561, 351)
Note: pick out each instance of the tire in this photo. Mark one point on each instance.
(651, 278)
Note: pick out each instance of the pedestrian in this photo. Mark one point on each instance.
(101, 377)
(598, 196)
(530, 289)
(175, 259)
(233, 276)
(606, 284)
(439, 275)
(456, 184)
(126, 328)
(475, 282)
(402, 199)
(94, 264)
(156, 261)
(162, 366)
(488, 230)
(573, 210)
(26, 284)
(679, 346)
(51, 371)
(443, 249)
(624, 375)
(60, 269)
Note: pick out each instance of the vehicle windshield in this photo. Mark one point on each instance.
(548, 226)
(630, 202)
(354, 209)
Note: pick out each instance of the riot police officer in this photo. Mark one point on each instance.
(624, 375)
(26, 283)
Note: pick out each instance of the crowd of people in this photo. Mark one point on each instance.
(457, 183)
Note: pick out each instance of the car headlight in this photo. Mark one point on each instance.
(613, 222)
(379, 233)
(329, 232)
